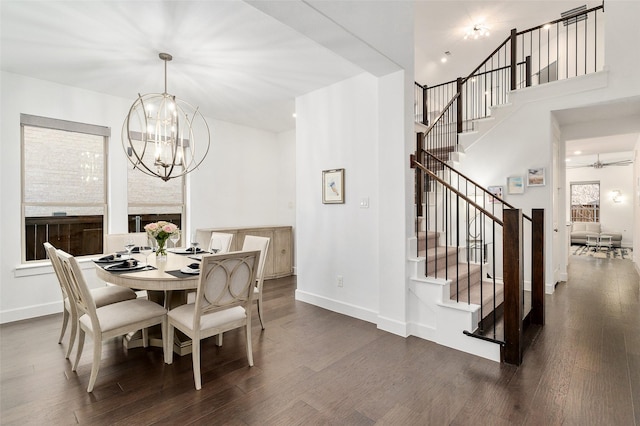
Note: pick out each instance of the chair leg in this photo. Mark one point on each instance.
(249, 345)
(195, 355)
(165, 341)
(65, 321)
(97, 357)
(79, 350)
(145, 337)
(168, 354)
(260, 309)
(74, 332)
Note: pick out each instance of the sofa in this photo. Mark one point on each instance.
(580, 230)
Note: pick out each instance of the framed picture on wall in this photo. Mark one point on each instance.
(497, 192)
(535, 177)
(333, 186)
(515, 185)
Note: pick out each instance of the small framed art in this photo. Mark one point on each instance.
(333, 186)
(515, 185)
(497, 192)
(535, 177)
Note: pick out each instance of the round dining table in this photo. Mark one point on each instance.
(156, 279)
(165, 285)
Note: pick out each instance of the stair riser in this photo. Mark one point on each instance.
(463, 282)
(442, 262)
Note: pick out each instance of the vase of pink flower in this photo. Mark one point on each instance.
(161, 231)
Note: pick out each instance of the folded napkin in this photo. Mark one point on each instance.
(194, 266)
(194, 250)
(126, 264)
(111, 258)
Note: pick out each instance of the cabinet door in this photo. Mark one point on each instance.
(263, 232)
(282, 252)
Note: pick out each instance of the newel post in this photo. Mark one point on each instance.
(537, 266)
(514, 58)
(419, 189)
(513, 285)
(459, 107)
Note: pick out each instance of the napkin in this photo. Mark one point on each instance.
(194, 266)
(109, 258)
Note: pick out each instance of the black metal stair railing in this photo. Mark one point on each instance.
(462, 229)
(564, 48)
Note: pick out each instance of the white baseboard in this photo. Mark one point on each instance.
(32, 311)
(337, 306)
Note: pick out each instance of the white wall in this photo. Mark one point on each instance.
(246, 180)
(614, 217)
(337, 128)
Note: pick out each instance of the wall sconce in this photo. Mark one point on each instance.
(616, 196)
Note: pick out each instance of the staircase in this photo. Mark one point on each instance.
(460, 288)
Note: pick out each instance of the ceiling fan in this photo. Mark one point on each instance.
(600, 164)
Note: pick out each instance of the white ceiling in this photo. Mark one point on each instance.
(235, 61)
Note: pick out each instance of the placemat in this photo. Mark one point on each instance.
(179, 274)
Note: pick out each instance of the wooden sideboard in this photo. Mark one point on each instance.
(279, 262)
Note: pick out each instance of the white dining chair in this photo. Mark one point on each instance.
(252, 242)
(221, 242)
(223, 303)
(108, 321)
(102, 296)
(116, 242)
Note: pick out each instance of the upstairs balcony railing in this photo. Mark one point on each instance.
(564, 48)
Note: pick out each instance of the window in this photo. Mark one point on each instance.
(585, 202)
(63, 186)
(152, 199)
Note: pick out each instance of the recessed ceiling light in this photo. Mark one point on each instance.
(567, 159)
(577, 152)
(293, 115)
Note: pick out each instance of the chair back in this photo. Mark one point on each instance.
(221, 242)
(116, 242)
(225, 281)
(57, 268)
(79, 292)
(251, 242)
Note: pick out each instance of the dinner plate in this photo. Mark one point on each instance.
(187, 270)
(120, 267)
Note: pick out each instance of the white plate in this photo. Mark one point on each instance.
(187, 270)
(119, 268)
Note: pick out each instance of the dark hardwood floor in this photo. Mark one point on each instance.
(317, 367)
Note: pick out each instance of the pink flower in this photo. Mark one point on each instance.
(169, 228)
(151, 227)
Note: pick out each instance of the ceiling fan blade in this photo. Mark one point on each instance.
(618, 163)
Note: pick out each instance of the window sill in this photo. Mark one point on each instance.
(44, 267)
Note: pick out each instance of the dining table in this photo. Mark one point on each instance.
(164, 282)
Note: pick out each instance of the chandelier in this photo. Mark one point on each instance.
(159, 134)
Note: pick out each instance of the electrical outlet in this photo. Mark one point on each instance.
(340, 281)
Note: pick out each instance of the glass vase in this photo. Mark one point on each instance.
(161, 252)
